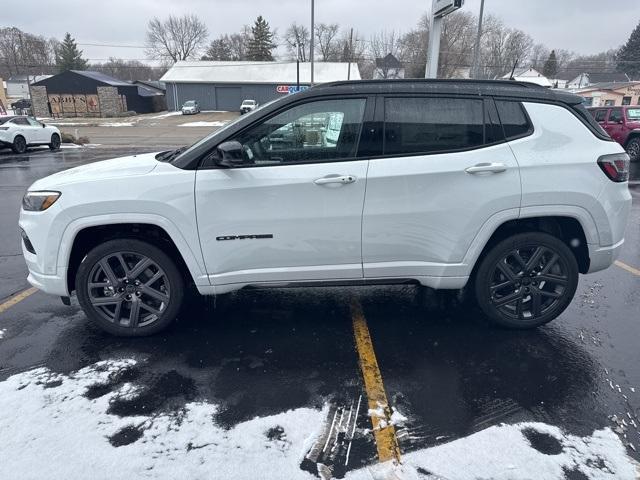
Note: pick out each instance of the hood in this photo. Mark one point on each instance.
(114, 168)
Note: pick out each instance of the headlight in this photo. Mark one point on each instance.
(39, 201)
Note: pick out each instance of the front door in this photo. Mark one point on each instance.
(293, 210)
(442, 177)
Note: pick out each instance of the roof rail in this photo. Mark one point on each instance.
(430, 80)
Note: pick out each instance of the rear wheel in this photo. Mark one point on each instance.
(55, 142)
(19, 144)
(527, 280)
(633, 149)
(129, 288)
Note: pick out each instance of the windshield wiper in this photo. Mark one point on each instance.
(170, 155)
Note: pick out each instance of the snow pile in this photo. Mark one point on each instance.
(505, 453)
(51, 430)
(117, 124)
(203, 124)
(2, 332)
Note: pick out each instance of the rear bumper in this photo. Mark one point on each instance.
(603, 257)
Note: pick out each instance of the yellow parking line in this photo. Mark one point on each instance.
(628, 268)
(17, 298)
(385, 433)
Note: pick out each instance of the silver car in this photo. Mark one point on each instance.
(190, 107)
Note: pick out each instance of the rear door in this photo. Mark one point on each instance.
(445, 172)
(615, 124)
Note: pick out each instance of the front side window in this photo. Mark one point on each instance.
(323, 130)
(20, 121)
(633, 114)
(615, 116)
(428, 125)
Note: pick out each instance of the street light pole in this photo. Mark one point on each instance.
(475, 71)
(312, 37)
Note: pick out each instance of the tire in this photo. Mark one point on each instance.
(123, 294)
(528, 292)
(55, 142)
(19, 144)
(633, 149)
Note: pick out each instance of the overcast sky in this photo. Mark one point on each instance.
(584, 26)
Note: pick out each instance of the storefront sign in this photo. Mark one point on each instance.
(290, 89)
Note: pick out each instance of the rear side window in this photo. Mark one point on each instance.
(601, 115)
(514, 120)
(428, 125)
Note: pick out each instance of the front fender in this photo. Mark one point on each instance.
(190, 253)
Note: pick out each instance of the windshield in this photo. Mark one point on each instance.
(190, 103)
(249, 102)
(203, 141)
(633, 114)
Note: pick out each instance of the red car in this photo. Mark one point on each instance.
(623, 125)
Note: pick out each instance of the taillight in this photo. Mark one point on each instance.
(615, 166)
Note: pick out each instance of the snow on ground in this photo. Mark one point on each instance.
(53, 428)
(506, 452)
(116, 124)
(2, 332)
(203, 124)
(163, 115)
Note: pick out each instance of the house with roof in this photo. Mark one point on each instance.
(223, 85)
(529, 74)
(18, 85)
(84, 93)
(587, 79)
(388, 67)
(610, 94)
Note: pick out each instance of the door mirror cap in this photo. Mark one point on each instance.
(229, 154)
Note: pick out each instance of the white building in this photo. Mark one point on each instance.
(529, 74)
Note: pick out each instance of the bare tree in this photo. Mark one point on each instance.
(327, 41)
(413, 49)
(176, 38)
(381, 45)
(456, 45)
(297, 39)
(25, 53)
(128, 69)
(502, 48)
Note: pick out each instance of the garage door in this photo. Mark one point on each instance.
(229, 98)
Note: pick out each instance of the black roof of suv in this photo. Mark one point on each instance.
(499, 88)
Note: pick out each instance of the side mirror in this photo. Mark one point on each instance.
(229, 154)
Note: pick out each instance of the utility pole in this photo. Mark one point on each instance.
(350, 58)
(475, 71)
(297, 67)
(313, 33)
(28, 79)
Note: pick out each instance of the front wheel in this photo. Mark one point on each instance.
(19, 144)
(526, 280)
(633, 149)
(129, 288)
(55, 142)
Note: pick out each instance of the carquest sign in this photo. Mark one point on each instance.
(290, 89)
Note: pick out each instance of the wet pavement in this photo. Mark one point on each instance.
(265, 352)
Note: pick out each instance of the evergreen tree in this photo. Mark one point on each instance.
(261, 44)
(68, 57)
(219, 49)
(550, 69)
(628, 58)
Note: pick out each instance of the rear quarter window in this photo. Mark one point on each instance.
(514, 120)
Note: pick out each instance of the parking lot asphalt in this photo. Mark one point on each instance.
(285, 363)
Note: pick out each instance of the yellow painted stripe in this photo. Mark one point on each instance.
(386, 440)
(17, 298)
(628, 268)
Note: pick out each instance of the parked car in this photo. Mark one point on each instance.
(18, 133)
(623, 125)
(190, 107)
(248, 106)
(507, 188)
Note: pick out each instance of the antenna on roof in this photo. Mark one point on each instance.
(513, 70)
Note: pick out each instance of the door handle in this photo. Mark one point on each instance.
(332, 179)
(487, 168)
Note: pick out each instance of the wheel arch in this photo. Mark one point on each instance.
(634, 134)
(566, 228)
(86, 237)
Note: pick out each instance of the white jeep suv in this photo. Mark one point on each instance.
(506, 187)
